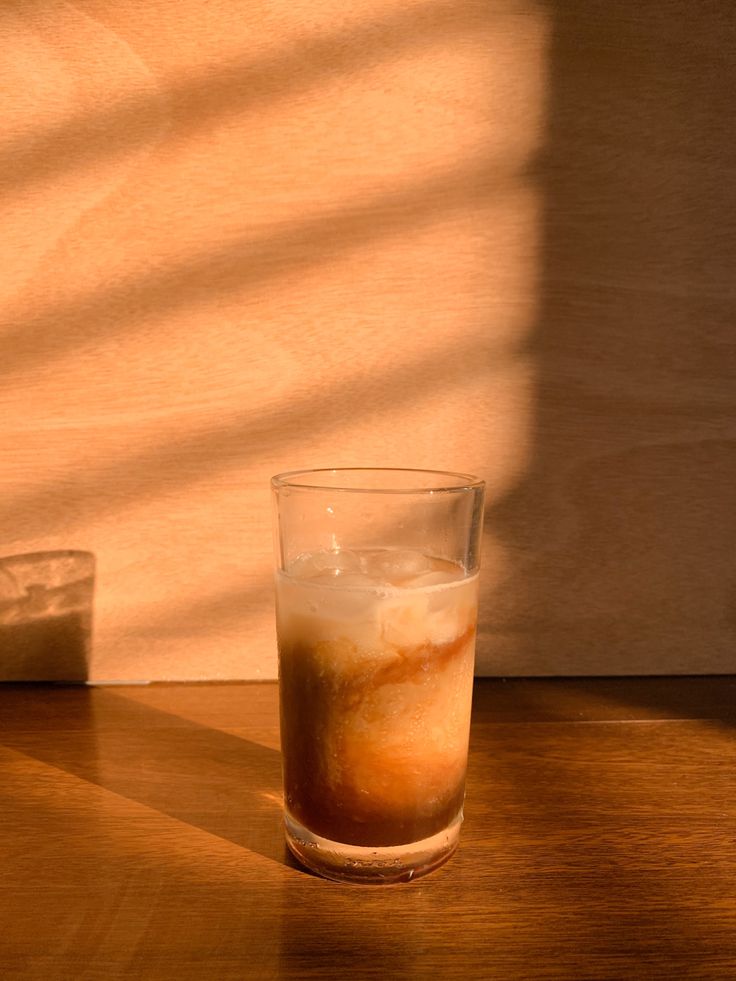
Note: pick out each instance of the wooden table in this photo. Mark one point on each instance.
(140, 838)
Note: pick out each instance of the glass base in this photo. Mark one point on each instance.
(371, 866)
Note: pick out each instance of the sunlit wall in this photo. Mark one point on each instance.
(478, 235)
(248, 238)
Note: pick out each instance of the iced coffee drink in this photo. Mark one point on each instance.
(376, 653)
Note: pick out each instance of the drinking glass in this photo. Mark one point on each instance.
(376, 608)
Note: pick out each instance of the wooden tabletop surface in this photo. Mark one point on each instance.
(140, 838)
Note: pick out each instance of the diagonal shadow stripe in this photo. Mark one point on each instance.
(233, 88)
(244, 263)
(87, 493)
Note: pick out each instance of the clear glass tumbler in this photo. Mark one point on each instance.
(376, 608)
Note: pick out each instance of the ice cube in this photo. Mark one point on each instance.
(328, 562)
(395, 566)
(404, 621)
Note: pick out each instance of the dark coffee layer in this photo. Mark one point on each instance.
(353, 772)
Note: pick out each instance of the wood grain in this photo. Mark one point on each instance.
(485, 235)
(142, 839)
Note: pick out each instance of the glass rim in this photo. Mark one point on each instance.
(51, 553)
(456, 483)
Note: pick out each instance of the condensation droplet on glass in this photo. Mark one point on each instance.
(330, 509)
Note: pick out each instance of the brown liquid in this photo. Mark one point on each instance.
(363, 761)
(46, 648)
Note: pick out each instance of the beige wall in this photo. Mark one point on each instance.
(489, 236)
